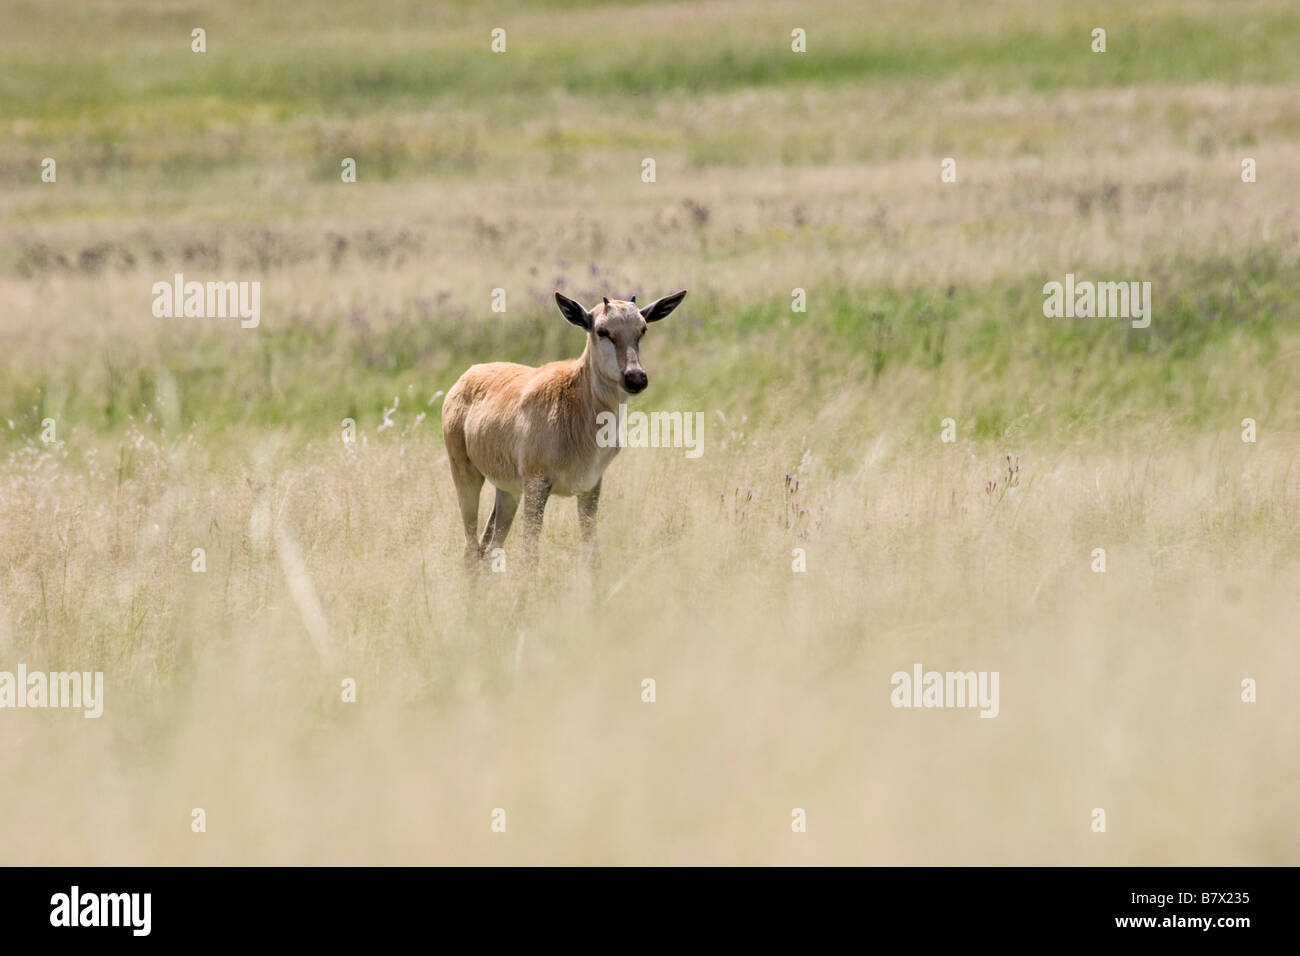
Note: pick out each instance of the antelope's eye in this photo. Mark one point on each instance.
(603, 333)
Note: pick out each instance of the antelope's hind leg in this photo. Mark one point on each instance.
(469, 483)
(498, 523)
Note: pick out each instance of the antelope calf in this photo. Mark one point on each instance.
(532, 431)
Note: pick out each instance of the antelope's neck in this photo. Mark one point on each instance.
(602, 396)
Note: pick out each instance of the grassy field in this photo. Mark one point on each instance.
(328, 561)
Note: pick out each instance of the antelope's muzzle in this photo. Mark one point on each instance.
(635, 380)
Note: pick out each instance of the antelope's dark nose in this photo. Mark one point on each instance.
(635, 380)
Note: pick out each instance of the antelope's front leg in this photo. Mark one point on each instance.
(537, 490)
(587, 527)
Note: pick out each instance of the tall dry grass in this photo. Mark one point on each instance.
(1118, 690)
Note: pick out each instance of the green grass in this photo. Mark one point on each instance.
(109, 73)
(146, 73)
(986, 349)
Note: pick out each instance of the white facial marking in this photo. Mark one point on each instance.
(607, 358)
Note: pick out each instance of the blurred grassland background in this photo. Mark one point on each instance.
(775, 171)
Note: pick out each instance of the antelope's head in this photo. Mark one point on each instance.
(614, 330)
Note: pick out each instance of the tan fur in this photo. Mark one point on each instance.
(531, 432)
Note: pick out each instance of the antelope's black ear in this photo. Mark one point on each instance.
(659, 308)
(574, 313)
